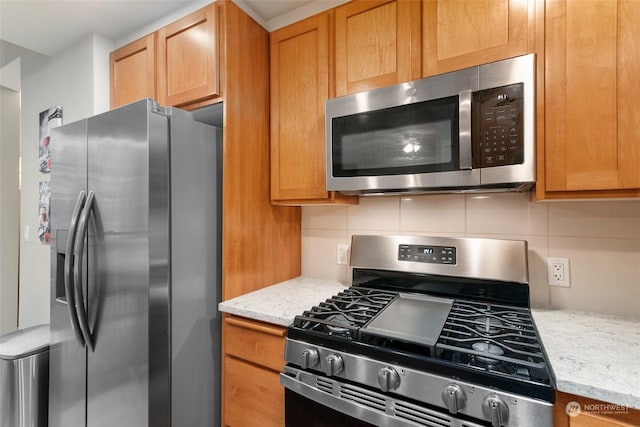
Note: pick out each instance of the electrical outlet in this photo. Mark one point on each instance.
(342, 254)
(558, 272)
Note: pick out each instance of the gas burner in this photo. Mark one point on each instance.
(487, 348)
(351, 312)
(345, 313)
(338, 324)
(496, 366)
(489, 325)
(493, 338)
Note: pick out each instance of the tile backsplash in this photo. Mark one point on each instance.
(601, 239)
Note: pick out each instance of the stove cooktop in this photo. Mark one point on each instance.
(482, 342)
(456, 307)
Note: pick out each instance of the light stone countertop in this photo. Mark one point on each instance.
(592, 355)
(280, 303)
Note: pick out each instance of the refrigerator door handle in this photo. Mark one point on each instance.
(68, 265)
(78, 253)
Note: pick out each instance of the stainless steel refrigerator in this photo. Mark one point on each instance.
(135, 251)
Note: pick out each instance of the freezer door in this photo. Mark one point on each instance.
(128, 268)
(67, 358)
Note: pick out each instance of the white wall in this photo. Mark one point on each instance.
(295, 15)
(10, 75)
(76, 81)
(102, 46)
(9, 206)
(9, 194)
(601, 239)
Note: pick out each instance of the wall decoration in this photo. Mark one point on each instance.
(44, 230)
(48, 120)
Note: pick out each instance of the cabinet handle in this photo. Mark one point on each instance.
(233, 321)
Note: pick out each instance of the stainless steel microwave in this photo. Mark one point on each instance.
(468, 130)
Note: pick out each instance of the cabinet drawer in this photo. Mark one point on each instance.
(252, 396)
(256, 342)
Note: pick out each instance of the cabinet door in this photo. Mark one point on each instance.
(377, 44)
(253, 396)
(592, 128)
(132, 72)
(188, 58)
(592, 413)
(299, 89)
(254, 357)
(460, 34)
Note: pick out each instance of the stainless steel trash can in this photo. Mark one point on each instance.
(24, 377)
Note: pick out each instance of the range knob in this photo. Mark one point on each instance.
(333, 364)
(310, 358)
(453, 396)
(495, 409)
(388, 378)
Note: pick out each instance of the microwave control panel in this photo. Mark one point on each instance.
(427, 254)
(499, 126)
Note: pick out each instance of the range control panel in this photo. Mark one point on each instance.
(427, 254)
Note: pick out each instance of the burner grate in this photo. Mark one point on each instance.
(494, 338)
(345, 313)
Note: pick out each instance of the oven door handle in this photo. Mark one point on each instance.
(464, 122)
(301, 382)
(295, 383)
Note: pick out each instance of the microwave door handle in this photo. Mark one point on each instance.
(464, 121)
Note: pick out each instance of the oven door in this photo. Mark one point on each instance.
(318, 401)
(302, 411)
(415, 135)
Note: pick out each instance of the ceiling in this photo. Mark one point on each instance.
(32, 28)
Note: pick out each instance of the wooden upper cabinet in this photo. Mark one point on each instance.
(592, 127)
(132, 71)
(299, 89)
(188, 58)
(459, 34)
(377, 43)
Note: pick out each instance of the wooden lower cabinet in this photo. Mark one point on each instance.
(253, 359)
(252, 395)
(587, 412)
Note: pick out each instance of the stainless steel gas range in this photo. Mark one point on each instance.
(432, 332)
